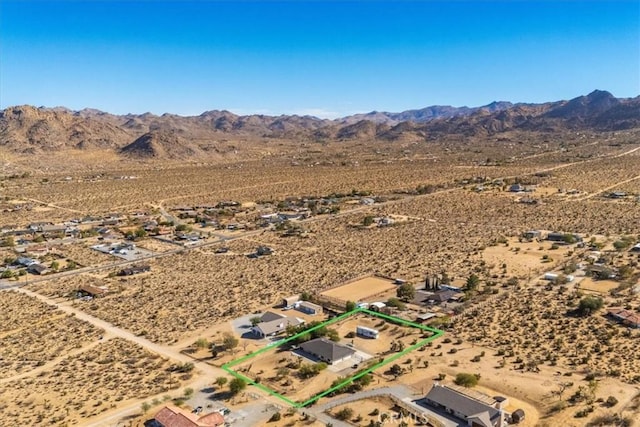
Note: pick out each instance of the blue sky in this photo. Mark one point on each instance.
(326, 58)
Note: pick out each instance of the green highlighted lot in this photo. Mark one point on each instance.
(228, 367)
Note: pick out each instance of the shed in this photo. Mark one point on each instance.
(517, 416)
(289, 301)
(308, 308)
(423, 317)
(377, 306)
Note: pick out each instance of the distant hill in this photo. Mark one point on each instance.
(162, 145)
(425, 114)
(27, 129)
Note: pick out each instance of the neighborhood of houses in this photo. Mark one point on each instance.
(442, 405)
(117, 235)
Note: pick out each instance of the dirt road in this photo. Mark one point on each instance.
(205, 374)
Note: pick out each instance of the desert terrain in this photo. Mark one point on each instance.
(230, 235)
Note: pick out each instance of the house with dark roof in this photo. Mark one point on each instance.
(327, 351)
(270, 315)
(172, 416)
(37, 268)
(25, 261)
(438, 297)
(136, 269)
(475, 412)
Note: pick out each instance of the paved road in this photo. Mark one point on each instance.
(401, 392)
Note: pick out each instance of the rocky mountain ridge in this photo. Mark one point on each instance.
(27, 129)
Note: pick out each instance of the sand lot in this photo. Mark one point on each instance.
(360, 289)
(598, 286)
(83, 385)
(270, 367)
(527, 259)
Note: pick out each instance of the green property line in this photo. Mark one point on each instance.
(436, 334)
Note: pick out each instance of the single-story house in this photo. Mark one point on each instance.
(264, 250)
(37, 226)
(25, 262)
(38, 250)
(53, 229)
(562, 237)
(289, 301)
(626, 317)
(37, 268)
(172, 416)
(308, 307)
(601, 272)
(617, 195)
(270, 315)
(136, 269)
(92, 291)
(289, 215)
(327, 351)
(475, 412)
(275, 327)
(442, 296)
(516, 188)
(532, 234)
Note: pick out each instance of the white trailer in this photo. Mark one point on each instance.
(363, 331)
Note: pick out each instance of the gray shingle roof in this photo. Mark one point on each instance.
(460, 403)
(326, 350)
(270, 315)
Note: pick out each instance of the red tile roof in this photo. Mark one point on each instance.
(626, 316)
(172, 416)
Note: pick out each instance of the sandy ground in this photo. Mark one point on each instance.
(598, 286)
(191, 292)
(524, 259)
(361, 289)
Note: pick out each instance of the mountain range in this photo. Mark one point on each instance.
(27, 129)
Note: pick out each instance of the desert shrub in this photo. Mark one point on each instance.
(237, 385)
(344, 414)
(589, 304)
(466, 380)
(275, 417)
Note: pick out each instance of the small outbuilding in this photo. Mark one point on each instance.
(289, 301)
(308, 308)
(517, 416)
(377, 306)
